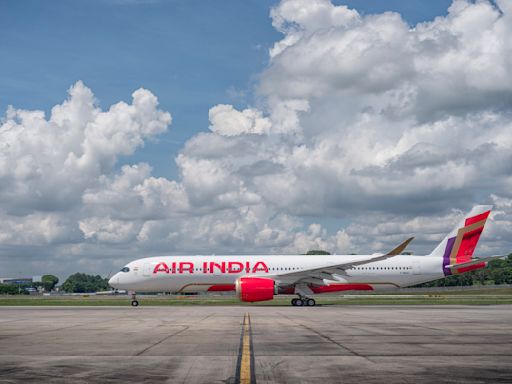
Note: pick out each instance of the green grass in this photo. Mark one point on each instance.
(113, 300)
(464, 298)
(470, 292)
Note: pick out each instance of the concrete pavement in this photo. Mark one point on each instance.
(201, 344)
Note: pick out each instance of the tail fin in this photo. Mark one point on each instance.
(459, 245)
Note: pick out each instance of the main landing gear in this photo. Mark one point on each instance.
(303, 301)
(135, 303)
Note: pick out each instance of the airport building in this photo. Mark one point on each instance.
(20, 280)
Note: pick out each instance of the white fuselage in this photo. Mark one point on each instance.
(217, 273)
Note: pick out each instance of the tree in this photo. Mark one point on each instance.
(83, 283)
(6, 289)
(317, 252)
(49, 282)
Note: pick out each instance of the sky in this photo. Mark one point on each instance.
(134, 128)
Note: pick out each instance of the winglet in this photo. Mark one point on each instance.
(398, 250)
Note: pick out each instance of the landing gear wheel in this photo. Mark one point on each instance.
(135, 303)
(298, 303)
(294, 302)
(310, 302)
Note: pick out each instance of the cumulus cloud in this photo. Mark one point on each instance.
(46, 164)
(390, 128)
(135, 195)
(49, 165)
(106, 230)
(399, 117)
(227, 121)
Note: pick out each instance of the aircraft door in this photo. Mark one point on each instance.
(147, 269)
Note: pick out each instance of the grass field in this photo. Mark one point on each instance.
(472, 297)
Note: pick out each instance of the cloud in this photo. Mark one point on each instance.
(49, 166)
(446, 66)
(106, 230)
(227, 121)
(392, 129)
(46, 165)
(135, 195)
(399, 117)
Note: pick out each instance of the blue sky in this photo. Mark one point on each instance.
(191, 54)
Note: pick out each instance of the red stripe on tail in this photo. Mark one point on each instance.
(468, 245)
(477, 218)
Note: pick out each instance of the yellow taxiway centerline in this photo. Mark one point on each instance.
(246, 373)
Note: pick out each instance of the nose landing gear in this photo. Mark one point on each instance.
(135, 303)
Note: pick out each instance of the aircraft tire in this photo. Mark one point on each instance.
(299, 303)
(310, 302)
(135, 303)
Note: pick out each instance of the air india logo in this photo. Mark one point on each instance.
(230, 267)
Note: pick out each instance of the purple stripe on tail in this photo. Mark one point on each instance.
(446, 256)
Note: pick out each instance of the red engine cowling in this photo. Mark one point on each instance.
(255, 289)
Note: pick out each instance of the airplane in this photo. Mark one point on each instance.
(261, 277)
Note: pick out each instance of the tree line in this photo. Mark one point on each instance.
(83, 283)
(76, 283)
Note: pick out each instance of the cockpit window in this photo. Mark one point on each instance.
(125, 269)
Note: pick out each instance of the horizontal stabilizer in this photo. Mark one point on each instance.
(474, 262)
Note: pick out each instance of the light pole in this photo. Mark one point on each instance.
(19, 283)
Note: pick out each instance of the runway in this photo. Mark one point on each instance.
(206, 344)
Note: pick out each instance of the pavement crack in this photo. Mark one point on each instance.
(206, 317)
(162, 340)
(325, 337)
(335, 342)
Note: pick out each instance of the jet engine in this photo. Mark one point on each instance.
(255, 288)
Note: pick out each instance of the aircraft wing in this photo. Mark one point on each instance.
(317, 275)
(474, 262)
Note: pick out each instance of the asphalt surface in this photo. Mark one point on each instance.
(192, 344)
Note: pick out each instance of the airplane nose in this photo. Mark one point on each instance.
(114, 281)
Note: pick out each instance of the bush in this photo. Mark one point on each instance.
(83, 283)
(317, 252)
(6, 289)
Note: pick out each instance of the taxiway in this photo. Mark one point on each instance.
(203, 344)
